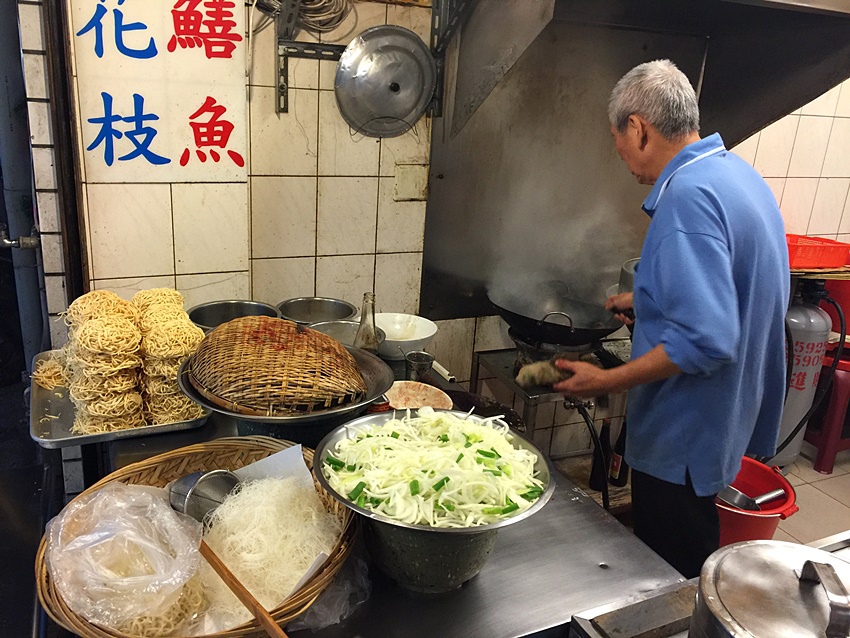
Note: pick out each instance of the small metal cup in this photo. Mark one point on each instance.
(199, 493)
(417, 363)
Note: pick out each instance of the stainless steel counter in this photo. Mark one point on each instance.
(569, 557)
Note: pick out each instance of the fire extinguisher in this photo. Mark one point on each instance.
(807, 332)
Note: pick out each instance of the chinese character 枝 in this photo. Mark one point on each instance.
(140, 135)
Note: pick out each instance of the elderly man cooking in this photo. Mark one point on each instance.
(707, 372)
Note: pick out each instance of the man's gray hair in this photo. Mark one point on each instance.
(659, 92)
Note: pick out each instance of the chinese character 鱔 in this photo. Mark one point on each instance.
(140, 136)
(210, 27)
(214, 132)
(96, 23)
(798, 380)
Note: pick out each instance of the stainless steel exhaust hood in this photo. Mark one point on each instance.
(525, 183)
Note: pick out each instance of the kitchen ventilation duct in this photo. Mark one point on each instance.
(525, 184)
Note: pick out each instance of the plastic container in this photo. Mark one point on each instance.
(816, 252)
(754, 479)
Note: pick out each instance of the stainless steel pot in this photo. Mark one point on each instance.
(772, 589)
(210, 315)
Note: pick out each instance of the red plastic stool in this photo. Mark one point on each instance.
(828, 439)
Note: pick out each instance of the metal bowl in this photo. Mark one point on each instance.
(212, 314)
(420, 558)
(344, 331)
(377, 375)
(310, 310)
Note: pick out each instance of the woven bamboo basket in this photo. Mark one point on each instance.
(264, 366)
(158, 471)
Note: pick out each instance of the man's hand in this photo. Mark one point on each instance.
(621, 302)
(587, 380)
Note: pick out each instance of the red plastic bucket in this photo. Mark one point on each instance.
(741, 525)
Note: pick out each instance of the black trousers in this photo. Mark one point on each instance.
(678, 525)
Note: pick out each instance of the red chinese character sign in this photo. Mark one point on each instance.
(161, 90)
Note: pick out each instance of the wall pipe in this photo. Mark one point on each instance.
(16, 163)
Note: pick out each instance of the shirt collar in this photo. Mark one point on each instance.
(684, 156)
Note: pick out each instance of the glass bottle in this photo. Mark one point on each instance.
(367, 335)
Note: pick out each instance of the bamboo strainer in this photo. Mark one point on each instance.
(264, 366)
(158, 471)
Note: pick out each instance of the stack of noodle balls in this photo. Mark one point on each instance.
(168, 338)
(102, 363)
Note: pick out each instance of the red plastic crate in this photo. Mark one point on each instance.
(815, 252)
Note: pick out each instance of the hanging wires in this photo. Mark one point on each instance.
(323, 16)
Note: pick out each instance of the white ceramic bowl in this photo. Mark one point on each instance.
(404, 333)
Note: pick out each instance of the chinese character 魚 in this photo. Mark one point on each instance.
(210, 27)
(140, 136)
(214, 132)
(96, 23)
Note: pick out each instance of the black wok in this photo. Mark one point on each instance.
(546, 313)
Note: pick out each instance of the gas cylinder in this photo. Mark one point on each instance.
(810, 326)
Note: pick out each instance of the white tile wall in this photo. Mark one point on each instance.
(48, 212)
(52, 254)
(35, 75)
(347, 215)
(126, 288)
(210, 227)
(283, 216)
(805, 158)
(453, 346)
(130, 230)
(31, 27)
(346, 277)
(343, 151)
(397, 280)
(285, 143)
(401, 225)
(362, 16)
(275, 280)
(197, 289)
(41, 128)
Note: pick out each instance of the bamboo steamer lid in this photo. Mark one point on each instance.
(264, 366)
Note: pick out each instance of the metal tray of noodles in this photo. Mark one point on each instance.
(52, 416)
(377, 375)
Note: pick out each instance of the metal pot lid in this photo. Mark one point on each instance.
(754, 589)
(384, 81)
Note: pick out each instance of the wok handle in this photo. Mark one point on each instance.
(628, 313)
(557, 312)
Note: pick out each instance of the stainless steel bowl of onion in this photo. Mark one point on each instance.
(434, 487)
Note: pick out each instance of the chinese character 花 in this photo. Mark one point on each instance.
(96, 24)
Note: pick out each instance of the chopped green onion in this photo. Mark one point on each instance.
(492, 511)
(498, 456)
(350, 468)
(493, 472)
(414, 487)
(375, 501)
(440, 484)
(487, 453)
(468, 442)
(334, 462)
(357, 491)
(361, 500)
(510, 508)
(532, 494)
(444, 438)
(479, 460)
(394, 435)
(507, 469)
(459, 457)
(449, 507)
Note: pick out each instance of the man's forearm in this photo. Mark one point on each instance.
(653, 366)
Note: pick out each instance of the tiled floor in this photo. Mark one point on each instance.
(823, 499)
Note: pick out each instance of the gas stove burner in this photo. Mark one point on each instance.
(531, 351)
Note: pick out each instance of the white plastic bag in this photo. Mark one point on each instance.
(122, 558)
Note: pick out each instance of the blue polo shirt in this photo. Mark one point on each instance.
(712, 286)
